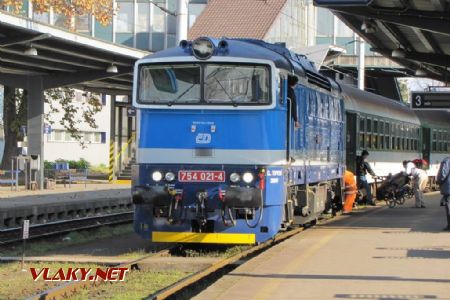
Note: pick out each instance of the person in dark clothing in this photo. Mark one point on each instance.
(292, 83)
(443, 179)
(362, 168)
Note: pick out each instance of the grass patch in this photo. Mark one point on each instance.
(137, 285)
(18, 284)
(39, 247)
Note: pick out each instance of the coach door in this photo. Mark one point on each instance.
(350, 148)
(426, 143)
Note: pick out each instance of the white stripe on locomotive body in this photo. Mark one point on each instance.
(274, 76)
(219, 156)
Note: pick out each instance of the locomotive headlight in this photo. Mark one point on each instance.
(157, 176)
(247, 177)
(203, 48)
(234, 177)
(169, 176)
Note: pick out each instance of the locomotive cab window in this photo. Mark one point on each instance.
(169, 84)
(204, 84)
(236, 84)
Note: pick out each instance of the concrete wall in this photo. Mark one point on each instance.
(58, 144)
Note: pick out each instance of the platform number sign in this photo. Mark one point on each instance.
(430, 100)
(26, 229)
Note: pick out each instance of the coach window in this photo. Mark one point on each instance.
(394, 136)
(434, 145)
(368, 133)
(403, 135)
(408, 137)
(375, 134)
(362, 129)
(446, 141)
(381, 132)
(387, 137)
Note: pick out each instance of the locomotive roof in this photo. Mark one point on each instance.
(369, 103)
(257, 49)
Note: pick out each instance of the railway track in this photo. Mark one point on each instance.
(71, 288)
(188, 285)
(8, 236)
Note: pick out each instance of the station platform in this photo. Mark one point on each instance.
(377, 253)
(61, 203)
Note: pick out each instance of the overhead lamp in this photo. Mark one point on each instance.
(31, 51)
(203, 48)
(368, 26)
(112, 69)
(398, 53)
(420, 73)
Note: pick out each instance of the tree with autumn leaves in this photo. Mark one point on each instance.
(59, 99)
(102, 10)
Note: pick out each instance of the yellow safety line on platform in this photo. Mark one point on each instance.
(193, 237)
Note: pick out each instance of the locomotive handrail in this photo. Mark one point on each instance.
(288, 150)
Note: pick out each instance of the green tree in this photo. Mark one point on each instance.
(404, 90)
(60, 100)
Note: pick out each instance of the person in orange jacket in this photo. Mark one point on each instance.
(350, 191)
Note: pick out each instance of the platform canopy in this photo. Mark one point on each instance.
(32, 49)
(419, 31)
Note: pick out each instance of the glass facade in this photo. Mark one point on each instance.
(137, 23)
(291, 25)
(331, 30)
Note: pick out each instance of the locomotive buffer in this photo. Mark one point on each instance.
(430, 100)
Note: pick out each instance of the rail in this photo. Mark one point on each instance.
(12, 235)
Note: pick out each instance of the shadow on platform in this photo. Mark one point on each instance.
(341, 277)
(384, 296)
(404, 219)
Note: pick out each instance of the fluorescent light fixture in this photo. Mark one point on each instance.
(420, 73)
(112, 69)
(30, 51)
(398, 53)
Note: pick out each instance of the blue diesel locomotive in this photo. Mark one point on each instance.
(219, 159)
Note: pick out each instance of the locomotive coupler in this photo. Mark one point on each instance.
(201, 208)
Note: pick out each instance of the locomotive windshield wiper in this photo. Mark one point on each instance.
(225, 91)
(182, 94)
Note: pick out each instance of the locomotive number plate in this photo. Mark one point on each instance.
(201, 176)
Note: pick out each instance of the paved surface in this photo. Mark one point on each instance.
(383, 253)
(10, 198)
